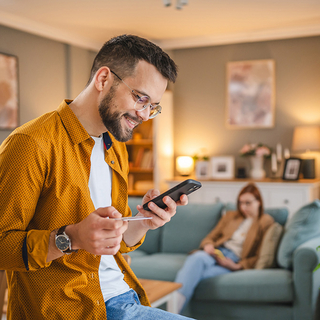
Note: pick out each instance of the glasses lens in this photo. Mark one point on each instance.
(142, 103)
(154, 111)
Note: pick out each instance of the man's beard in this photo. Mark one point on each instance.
(112, 120)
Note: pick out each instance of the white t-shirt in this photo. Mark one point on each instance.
(235, 243)
(100, 184)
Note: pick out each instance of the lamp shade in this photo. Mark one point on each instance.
(306, 138)
(184, 165)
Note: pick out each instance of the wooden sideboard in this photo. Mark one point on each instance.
(275, 192)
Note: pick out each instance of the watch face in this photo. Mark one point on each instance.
(62, 242)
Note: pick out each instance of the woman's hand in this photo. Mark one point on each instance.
(209, 248)
(228, 263)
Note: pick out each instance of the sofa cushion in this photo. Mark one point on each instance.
(269, 246)
(304, 225)
(269, 285)
(279, 215)
(189, 226)
(158, 266)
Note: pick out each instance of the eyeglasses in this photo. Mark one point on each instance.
(142, 102)
(246, 203)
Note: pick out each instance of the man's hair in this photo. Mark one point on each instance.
(121, 54)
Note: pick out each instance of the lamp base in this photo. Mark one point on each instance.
(308, 169)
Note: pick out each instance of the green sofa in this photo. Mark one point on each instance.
(286, 292)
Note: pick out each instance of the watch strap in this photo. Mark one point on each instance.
(61, 231)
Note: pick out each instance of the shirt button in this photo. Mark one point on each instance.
(123, 271)
(92, 275)
(98, 302)
(112, 162)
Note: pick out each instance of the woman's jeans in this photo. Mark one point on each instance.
(198, 266)
(127, 306)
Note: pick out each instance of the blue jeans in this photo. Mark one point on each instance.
(198, 266)
(127, 306)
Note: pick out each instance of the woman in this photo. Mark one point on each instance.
(238, 236)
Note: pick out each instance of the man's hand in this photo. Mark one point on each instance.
(98, 233)
(137, 229)
(160, 216)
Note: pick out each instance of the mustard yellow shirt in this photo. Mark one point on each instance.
(44, 174)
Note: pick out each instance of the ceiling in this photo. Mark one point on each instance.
(89, 23)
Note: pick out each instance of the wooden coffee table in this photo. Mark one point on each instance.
(160, 292)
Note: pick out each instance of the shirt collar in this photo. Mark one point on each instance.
(71, 123)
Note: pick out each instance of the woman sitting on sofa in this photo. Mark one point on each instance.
(232, 245)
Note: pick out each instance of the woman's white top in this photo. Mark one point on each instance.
(235, 243)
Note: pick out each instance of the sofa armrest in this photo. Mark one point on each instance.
(306, 281)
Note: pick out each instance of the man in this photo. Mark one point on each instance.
(64, 189)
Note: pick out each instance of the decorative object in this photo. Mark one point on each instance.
(256, 153)
(184, 165)
(222, 167)
(250, 94)
(241, 173)
(291, 169)
(202, 169)
(257, 171)
(306, 139)
(9, 102)
(255, 149)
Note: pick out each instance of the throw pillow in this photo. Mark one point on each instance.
(269, 246)
(303, 226)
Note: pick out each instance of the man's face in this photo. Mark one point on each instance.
(116, 108)
(112, 118)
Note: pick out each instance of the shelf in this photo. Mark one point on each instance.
(140, 170)
(140, 142)
(136, 193)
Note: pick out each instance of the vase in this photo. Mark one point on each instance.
(257, 171)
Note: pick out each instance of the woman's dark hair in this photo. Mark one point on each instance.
(121, 54)
(251, 188)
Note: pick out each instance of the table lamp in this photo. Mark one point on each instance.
(184, 165)
(305, 139)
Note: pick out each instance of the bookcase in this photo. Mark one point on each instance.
(151, 151)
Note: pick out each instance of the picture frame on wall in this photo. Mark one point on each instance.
(250, 94)
(202, 170)
(222, 167)
(292, 169)
(9, 92)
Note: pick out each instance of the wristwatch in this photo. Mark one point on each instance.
(63, 242)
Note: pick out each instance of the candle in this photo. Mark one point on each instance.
(286, 153)
(274, 167)
(279, 152)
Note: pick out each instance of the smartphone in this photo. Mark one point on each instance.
(185, 187)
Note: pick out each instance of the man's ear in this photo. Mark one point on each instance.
(102, 78)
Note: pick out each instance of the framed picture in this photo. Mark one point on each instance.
(292, 168)
(222, 167)
(250, 94)
(202, 170)
(9, 102)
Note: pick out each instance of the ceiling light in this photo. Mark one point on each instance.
(179, 3)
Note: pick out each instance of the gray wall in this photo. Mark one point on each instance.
(49, 71)
(200, 95)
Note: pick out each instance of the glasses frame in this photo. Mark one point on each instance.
(154, 109)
